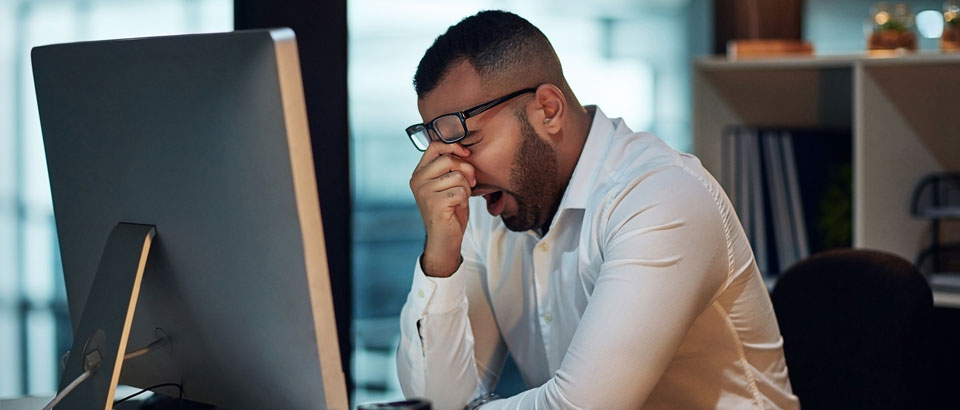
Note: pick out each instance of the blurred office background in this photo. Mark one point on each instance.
(632, 57)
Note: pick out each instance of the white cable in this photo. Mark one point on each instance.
(66, 390)
(94, 366)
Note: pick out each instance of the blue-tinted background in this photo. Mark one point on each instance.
(629, 56)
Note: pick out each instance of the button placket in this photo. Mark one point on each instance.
(542, 265)
(541, 269)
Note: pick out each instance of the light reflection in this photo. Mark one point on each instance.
(881, 18)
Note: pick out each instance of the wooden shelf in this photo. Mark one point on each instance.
(826, 61)
(903, 110)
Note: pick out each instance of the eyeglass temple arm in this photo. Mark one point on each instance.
(485, 106)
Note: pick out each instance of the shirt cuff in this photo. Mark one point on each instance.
(432, 295)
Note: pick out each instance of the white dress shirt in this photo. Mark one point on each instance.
(643, 294)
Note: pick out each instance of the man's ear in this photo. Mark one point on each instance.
(553, 104)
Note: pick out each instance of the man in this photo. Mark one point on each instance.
(611, 267)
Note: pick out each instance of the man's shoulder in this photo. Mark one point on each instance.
(640, 160)
(663, 183)
(657, 194)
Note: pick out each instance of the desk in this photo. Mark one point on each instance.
(946, 290)
(37, 403)
(945, 299)
(25, 403)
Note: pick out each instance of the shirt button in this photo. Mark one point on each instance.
(547, 317)
(420, 293)
(544, 247)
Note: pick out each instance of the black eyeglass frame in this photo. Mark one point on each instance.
(463, 116)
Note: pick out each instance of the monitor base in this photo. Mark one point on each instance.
(107, 316)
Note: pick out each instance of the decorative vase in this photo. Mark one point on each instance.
(889, 30)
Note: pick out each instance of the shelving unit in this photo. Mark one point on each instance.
(903, 110)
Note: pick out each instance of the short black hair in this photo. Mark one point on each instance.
(491, 40)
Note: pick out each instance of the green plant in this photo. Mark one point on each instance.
(893, 25)
(836, 209)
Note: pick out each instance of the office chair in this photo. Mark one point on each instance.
(856, 326)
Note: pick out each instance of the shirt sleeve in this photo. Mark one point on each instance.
(664, 259)
(450, 347)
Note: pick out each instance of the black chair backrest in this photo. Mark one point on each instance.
(856, 326)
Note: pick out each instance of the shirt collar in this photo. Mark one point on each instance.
(578, 189)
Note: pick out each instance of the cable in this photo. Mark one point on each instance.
(162, 341)
(66, 390)
(179, 394)
(140, 352)
(92, 362)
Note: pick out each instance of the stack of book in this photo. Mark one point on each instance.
(786, 186)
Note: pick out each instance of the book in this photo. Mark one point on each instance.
(757, 196)
(798, 225)
(779, 200)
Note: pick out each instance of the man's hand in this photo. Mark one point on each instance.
(441, 184)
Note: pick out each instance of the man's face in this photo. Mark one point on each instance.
(516, 169)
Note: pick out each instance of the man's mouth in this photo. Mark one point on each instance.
(495, 202)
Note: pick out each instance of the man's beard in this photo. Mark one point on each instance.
(534, 174)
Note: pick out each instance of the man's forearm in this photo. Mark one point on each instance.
(435, 358)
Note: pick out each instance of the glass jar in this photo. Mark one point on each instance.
(890, 29)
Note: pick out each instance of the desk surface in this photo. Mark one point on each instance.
(38, 402)
(946, 290)
(24, 403)
(946, 299)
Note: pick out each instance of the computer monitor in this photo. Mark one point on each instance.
(204, 139)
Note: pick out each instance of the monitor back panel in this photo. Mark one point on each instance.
(204, 137)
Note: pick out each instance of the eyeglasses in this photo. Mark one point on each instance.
(452, 127)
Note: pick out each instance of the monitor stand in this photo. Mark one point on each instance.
(100, 340)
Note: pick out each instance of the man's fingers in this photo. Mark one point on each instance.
(447, 181)
(441, 166)
(454, 196)
(437, 149)
(440, 189)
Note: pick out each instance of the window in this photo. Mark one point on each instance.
(34, 324)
